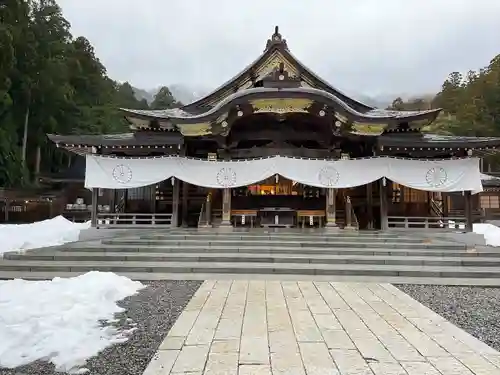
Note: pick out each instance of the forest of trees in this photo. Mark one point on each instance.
(52, 82)
(471, 103)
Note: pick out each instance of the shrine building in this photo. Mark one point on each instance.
(278, 146)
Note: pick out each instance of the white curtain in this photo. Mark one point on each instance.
(443, 175)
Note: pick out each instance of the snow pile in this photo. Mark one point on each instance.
(52, 232)
(61, 320)
(491, 233)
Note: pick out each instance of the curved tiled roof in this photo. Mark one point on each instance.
(178, 115)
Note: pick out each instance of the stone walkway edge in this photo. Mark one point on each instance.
(315, 328)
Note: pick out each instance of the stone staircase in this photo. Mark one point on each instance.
(285, 255)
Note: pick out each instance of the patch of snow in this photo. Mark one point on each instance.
(51, 232)
(61, 320)
(490, 232)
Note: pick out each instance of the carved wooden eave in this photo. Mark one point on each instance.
(263, 135)
(261, 152)
(139, 142)
(425, 145)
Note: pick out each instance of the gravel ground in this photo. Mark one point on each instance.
(154, 309)
(474, 309)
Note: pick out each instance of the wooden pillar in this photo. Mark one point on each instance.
(175, 202)
(226, 207)
(384, 225)
(444, 197)
(93, 210)
(468, 211)
(185, 196)
(331, 197)
(112, 199)
(369, 204)
(95, 201)
(7, 208)
(208, 208)
(348, 213)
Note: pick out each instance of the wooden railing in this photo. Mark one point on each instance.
(436, 207)
(120, 206)
(421, 222)
(118, 220)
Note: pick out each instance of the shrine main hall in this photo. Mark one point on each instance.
(278, 146)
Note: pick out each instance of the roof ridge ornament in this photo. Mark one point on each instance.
(276, 39)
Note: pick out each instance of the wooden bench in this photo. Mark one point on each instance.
(242, 215)
(317, 216)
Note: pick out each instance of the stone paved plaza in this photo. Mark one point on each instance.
(272, 327)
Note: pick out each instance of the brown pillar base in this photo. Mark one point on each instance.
(225, 224)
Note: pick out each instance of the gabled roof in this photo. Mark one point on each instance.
(276, 48)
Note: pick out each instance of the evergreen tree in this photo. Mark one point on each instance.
(164, 99)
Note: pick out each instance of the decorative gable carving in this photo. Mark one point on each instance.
(280, 78)
(274, 62)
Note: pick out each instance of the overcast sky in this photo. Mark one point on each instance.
(370, 47)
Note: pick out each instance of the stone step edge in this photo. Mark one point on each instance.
(473, 258)
(193, 266)
(270, 251)
(297, 244)
(276, 271)
(278, 237)
(268, 232)
(485, 282)
(274, 240)
(261, 250)
(213, 276)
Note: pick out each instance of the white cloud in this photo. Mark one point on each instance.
(365, 46)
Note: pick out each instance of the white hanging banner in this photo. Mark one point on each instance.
(332, 173)
(442, 175)
(437, 175)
